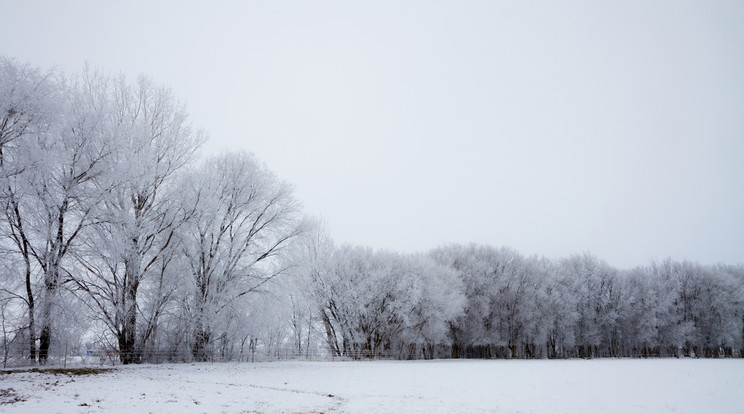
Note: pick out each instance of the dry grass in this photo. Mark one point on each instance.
(59, 371)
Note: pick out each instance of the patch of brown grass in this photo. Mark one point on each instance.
(9, 396)
(59, 371)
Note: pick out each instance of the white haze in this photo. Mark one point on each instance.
(552, 127)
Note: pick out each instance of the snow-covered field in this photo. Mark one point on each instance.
(448, 386)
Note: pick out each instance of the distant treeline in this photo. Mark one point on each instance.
(483, 302)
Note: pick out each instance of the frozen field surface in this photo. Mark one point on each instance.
(448, 386)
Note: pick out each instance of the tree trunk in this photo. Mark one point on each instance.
(129, 352)
(201, 343)
(330, 334)
(456, 351)
(44, 344)
(127, 337)
(31, 321)
(50, 286)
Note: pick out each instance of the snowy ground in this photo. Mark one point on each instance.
(475, 386)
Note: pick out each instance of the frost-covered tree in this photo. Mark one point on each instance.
(135, 240)
(53, 196)
(385, 304)
(597, 290)
(561, 314)
(436, 297)
(504, 309)
(243, 220)
(705, 318)
(638, 313)
(29, 107)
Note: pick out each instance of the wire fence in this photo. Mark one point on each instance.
(112, 358)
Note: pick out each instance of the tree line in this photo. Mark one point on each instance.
(117, 234)
(476, 301)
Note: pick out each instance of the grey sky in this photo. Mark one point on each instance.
(552, 127)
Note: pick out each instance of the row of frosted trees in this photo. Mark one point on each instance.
(483, 302)
(117, 236)
(581, 307)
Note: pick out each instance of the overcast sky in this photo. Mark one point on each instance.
(552, 127)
